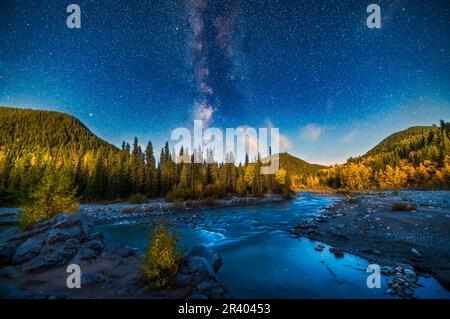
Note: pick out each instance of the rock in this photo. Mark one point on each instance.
(8, 221)
(57, 295)
(370, 251)
(95, 245)
(23, 235)
(83, 221)
(409, 272)
(415, 253)
(95, 236)
(443, 276)
(53, 255)
(28, 250)
(319, 247)
(197, 296)
(90, 279)
(336, 252)
(183, 279)
(119, 251)
(200, 267)
(57, 235)
(84, 254)
(34, 282)
(220, 293)
(7, 252)
(212, 258)
(390, 291)
(8, 291)
(8, 272)
(205, 285)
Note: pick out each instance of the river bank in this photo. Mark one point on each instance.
(125, 211)
(34, 265)
(400, 229)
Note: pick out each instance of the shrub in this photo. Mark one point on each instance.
(151, 209)
(404, 207)
(192, 204)
(162, 259)
(178, 204)
(178, 192)
(138, 199)
(132, 210)
(54, 195)
(209, 202)
(345, 191)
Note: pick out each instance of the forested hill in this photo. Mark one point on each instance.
(297, 166)
(415, 144)
(36, 145)
(24, 130)
(418, 157)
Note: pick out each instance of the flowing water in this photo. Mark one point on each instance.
(261, 258)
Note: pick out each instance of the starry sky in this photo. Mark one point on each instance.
(311, 68)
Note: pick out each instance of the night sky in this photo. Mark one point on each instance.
(312, 68)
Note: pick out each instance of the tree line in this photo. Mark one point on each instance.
(34, 144)
(418, 158)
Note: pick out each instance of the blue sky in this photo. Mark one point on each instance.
(313, 69)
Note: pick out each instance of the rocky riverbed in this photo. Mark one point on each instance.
(407, 232)
(33, 265)
(125, 211)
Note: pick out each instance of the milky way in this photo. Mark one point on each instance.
(213, 47)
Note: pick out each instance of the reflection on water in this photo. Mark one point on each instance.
(262, 260)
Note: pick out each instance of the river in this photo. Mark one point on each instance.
(262, 259)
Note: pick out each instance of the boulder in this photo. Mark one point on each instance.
(8, 291)
(337, 253)
(205, 285)
(319, 247)
(7, 252)
(95, 236)
(90, 279)
(84, 255)
(56, 235)
(443, 276)
(211, 257)
(24, 235)
(8, 221)
(200, 268)
(119, 251)
(8, 272)
(415, 253)
(183, 279)
(95, 245)
(53, 255)
(83, 221)
(197, 296)
(28, 250)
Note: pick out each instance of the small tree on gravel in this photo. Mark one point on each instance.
(162, 259)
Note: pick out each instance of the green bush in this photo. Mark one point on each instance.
(209, 202)
(54, 195)
(178, 204)
(162, 259)
(178, 192)
(192, 204)
(404, 207)
(138, 199)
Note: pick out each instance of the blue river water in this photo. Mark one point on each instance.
(261, 259)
